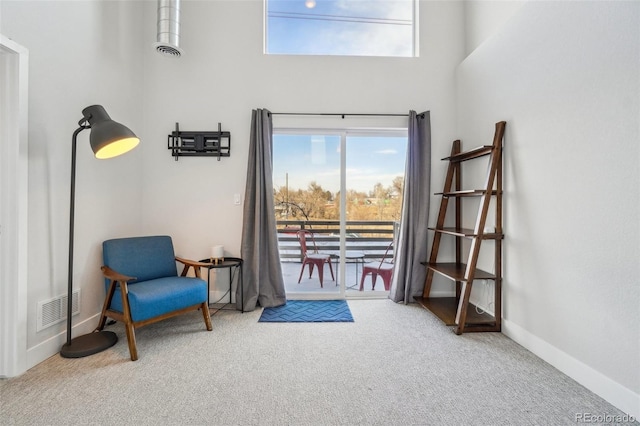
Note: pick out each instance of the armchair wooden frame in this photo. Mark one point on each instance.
(125, 317)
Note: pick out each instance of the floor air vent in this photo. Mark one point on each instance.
(54, 310)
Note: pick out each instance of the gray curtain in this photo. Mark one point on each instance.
(411, 248)
(263, 281)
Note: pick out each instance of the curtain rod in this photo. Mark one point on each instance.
(339, 114)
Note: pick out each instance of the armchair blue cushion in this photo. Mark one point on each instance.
(144, 258)
(150, 299)
(145, 268)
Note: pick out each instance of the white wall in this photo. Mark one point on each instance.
(565, 77)
(101, 52)
(223, 75)
(483, 18)
(78, 57)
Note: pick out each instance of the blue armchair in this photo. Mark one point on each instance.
(143, 285)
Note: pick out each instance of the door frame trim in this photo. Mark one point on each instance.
(14, 60)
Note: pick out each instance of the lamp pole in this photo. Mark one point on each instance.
(74, 143)
(108, 139)
(97, 341)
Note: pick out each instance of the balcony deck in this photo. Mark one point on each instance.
(291, 272)
(371, 238)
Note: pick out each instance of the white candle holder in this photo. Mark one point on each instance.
(217, 254)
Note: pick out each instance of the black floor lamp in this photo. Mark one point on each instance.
(108, 139)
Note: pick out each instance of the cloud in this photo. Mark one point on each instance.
(373, 39)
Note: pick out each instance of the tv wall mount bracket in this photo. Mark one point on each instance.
(199, 144)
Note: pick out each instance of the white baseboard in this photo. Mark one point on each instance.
(52, 346)
(613, 392)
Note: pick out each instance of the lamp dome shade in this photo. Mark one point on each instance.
(108, 138)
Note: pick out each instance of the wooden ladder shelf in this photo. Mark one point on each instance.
(458, 311)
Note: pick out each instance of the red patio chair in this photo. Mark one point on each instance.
(313, 258)
(383, 268)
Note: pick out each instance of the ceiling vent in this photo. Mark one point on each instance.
(168, 39)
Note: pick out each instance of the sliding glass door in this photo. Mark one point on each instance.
(342, 191)
(374, 179)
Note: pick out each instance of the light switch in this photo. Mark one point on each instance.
(236, 199)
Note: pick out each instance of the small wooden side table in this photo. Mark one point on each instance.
(234, 264)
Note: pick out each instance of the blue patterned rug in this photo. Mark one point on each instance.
(308, 311)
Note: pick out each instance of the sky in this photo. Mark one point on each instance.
(307, 158)
(340, 27)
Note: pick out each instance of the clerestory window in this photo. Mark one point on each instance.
(341, 27)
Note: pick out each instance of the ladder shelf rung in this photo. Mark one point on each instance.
(467, 233)
(455, 271)
(469, 155)
(468, 193)
(445, 308)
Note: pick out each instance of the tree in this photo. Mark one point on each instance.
(310, 203)
(316, 203)
(397, 195)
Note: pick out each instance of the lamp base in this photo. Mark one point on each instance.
(88, 344)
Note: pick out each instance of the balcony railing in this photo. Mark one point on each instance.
(370, 237)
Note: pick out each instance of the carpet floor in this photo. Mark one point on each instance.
(394, 365)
